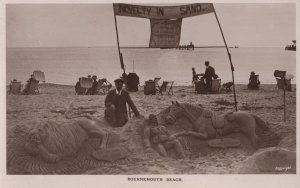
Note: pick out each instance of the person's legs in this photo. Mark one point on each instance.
(208, 85)
(110, 116)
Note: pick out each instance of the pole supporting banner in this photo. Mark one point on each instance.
(229, 57)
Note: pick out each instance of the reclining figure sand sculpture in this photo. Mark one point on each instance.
(69, 147)
(207, 125)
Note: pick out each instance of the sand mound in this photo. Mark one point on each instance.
(270, 161)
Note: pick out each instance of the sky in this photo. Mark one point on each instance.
(81, 25)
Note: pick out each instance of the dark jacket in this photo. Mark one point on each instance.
(120, 104)
(209, 73)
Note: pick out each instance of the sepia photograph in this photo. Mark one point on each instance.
(128, 88)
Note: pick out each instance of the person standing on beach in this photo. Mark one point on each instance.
(195, 76)
(115, 103)
(208, 75)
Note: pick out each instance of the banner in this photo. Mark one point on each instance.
(163, 12)
(165, 33)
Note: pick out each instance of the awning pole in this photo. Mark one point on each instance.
(117, 33)
(229, 56)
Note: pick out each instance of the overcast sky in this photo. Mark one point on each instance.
(39, 25)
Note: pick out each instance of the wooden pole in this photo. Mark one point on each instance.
(229, 56)
(120, 56)
(284, 103)
(117, 33)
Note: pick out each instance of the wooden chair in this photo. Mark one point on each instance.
(86, 83)
(216, 85)
(280, 84)
(15, 87)
(163, 87)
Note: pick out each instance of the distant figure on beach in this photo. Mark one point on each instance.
(208, 76)
(93, 89)
(253, 81)
(115, 103)
(159, 137)
(30, 81)
(195, 76)
(89, 76)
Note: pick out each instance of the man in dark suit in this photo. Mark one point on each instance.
(115, 103)
(209, 74)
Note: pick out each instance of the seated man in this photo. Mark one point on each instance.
(159, 137)
(115, 103)
(93, 89)
(253, 81)
(29, 82)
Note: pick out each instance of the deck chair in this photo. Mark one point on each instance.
(216, 85)
(280, 84)
(163, 87)
(103, 86)
(34, 89)
(15, 87)
(156, 80)
(39, 75)
(86, 83)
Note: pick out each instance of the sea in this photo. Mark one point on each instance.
(64, 65)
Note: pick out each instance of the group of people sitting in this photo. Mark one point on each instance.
(81, 89)
(206, 78)
(31, 86)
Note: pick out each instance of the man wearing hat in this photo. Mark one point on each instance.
(115, 103)
(208, 75)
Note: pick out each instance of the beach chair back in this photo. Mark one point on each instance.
(86, 83)
(216, 85)
(163, 87)
(39, 75)
(156, 80)
(280, 83)
(15, 87)
(149, 88)
(33, 89)
(200, 87)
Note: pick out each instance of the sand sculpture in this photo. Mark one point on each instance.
(207, 125)
(75, 146)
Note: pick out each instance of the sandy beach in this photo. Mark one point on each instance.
(267, 103)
